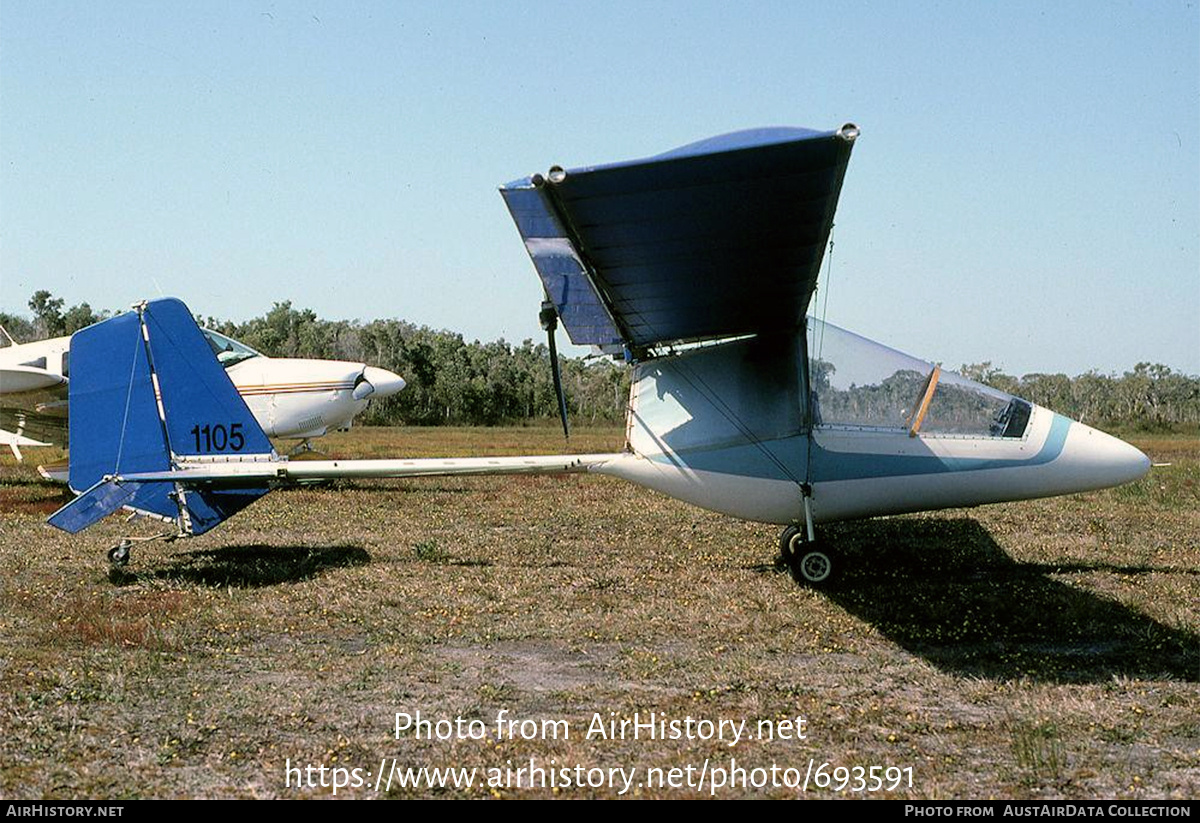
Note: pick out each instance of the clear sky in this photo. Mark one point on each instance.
(1026, 188)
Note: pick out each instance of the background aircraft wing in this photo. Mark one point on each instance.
(33, 405)
(715, 239)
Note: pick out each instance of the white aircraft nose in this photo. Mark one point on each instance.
(1098, 460)
(377, 382)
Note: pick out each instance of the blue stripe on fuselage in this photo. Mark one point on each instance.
(832, 465)
(781, 459)
(748, 460)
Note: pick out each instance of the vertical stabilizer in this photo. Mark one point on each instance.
(146, 393)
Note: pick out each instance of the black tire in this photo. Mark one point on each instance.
(814, 567)
(786, 544)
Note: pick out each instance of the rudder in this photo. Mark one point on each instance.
(147, 392)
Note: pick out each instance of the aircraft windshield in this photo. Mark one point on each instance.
(228, 350)
(856, 382)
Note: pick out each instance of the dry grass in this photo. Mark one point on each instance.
(1042, 649)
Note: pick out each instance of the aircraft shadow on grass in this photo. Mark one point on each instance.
(975, 611)
(946, 591)
(251, 566)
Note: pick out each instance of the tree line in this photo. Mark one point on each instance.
(455, 382)
(450, 381)
(1152, 397)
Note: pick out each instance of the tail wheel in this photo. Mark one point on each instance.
(118, 555)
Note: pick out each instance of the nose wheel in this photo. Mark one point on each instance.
(807, 563)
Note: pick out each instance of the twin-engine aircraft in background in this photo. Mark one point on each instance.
(697, 267)
(290, 398)
(33, 393)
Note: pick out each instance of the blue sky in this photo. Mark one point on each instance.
(1026, 189)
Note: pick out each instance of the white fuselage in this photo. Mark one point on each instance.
(732, 428)
(865, 474)
(33, 392)
(297, 398)
(291, 398)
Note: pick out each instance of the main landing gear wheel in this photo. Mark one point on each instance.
(786, 550)
(815, 567)
(809, 565)
(118, 555)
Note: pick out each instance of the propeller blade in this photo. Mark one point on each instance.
(548, 317)
(374, 381)
(363, 388)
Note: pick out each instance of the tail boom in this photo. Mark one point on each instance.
(162, 430)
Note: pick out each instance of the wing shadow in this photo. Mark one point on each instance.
(943, 589)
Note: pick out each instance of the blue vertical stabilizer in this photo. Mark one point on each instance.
(121, 370)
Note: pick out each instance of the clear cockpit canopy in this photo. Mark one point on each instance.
(228, 350)
(858, 383)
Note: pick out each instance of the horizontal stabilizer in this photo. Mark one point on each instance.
(203, 509)
(96, 503)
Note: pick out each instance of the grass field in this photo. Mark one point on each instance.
(1047, 649)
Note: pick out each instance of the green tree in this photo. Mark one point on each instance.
(80, 317)
(22, 330)
(47, 314)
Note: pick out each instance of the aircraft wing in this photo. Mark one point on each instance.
(33, 406)
(715, 239)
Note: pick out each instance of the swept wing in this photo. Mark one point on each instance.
(716, 239)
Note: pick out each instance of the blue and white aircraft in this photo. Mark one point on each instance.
(696, 267)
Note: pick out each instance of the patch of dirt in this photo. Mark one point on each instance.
(542, 667)
(17, 501)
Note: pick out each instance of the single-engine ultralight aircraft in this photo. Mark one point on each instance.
(695, 266)
(291, 398)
